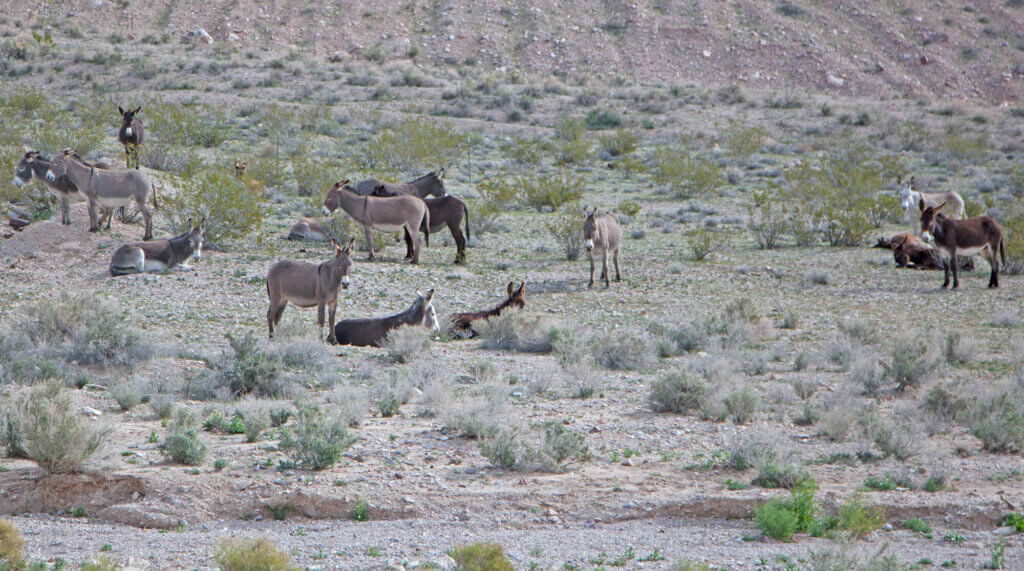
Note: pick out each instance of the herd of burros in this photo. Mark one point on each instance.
(417, 209)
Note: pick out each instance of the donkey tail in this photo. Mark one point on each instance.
(425, 227)
(156, 206)
(465, 210)
(1002, 250)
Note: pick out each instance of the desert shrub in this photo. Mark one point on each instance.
(163, 405)
(999, 423)
(549, 447)
(1014, 520)
(866, 373)
(350, 405)
(501, 191)
(776, 520)
(504, 448)
(861, 331)
(407, 343)
(741, 405)
(880, 484)
(623, 351)
(911, 136)
(415, 143)
(859, 519)
(10, 545)
(1013, 242)
(126, 394)
(44, 424)
(629, 207)
(251, 555)
(676, 391)
(944, 404)
(743, 140)
(182, 442)
(917, 525)
(684, 173)
(703, 242)
(767, 222)
(481, 557)
(567, 230)
(231, 210)
(313, 174)
(186, 125)
(772, 474)
(598, 119)
(572, 144)
(756, 448)
(909, 363)
(88, 330)
(316, 440)
(255, 421)
(551, 190)
(525, 153)
(965, 146)
(514, 331)
(619, 143)
(248, 369)
(958, 351)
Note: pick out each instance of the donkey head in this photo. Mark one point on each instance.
(23, 172)
(431, 184)
(906, 192)
(591, 230)
(333, 200)
(516, 297)
(126, 119)
(342, 261)
(195, 237)
(929, 219)
(240, 168)
(429, 314)
(59, 166)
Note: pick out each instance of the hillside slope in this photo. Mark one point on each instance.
(873, 47)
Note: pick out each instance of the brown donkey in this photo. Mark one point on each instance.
(603, 235)
(964, 237)
(306, 285)
(463, 322)
(388, 214)
(447, 211)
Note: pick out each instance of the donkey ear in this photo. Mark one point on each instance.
(940, 207)
(920, 204)
(511, 287)
(522, 288)
(348, 247)
(899, 179)
(137, 109)
(440, 172)
(119, 110)
(913, 182)
(430, 294)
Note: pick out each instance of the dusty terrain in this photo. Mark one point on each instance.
(656, 486)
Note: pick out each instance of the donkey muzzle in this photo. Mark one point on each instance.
(927, 236)
(325, 211)
(590, 245)
(345, 281)
(17, 182)
(50, 176)
(128, 131)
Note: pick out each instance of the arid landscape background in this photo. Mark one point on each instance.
(756, 348)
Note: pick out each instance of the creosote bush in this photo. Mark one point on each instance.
(251, 555)
(481, 557)
(316, 440)
(684, 173)
(677, 391)
(43, 426)
(10, 545)
(415, 143)
(231, 210)
(566, 228)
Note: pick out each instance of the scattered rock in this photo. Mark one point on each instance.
(935, 38)
(834, 81)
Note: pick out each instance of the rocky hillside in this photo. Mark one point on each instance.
(971, 49)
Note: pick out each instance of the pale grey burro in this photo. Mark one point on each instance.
(911, 198)
(603, 235)
(159, 255)
(35, 165)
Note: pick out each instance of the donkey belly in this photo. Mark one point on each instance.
(388, 227)
(970, 251)
(302, 301)
(114, 201)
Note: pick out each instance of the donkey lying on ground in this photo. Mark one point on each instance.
(131, 136)
(388, 214)
(159, 255)
(964, 237)
(309, 229)
(35, 165)
(429, 184)
(910, 251)
(910, 198)
(306, 285)
(463, 322)
(110, 188)
(603, 235)
(371, 331)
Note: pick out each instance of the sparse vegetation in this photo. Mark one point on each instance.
(251, 555)
(317, 439)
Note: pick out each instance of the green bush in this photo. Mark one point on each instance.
(677, 391)
(182, 442)
(619, 143)
(859, 519)
(231, 210)
(316, 441)
(45, 425)
(186, 125)
(550, 447)
(481, 557)
(880, 484)
(629, 207)
(1014, 520)
(703, 242)
(741, 405)
(602, 119)
(917, 525)
(781, 518)
(1013, 242)
(776, 520)
(767, 222)
(743, 139)
(249, 369)
(572, 145)
(10, 545)
(251, 555)
(684, 173)
(566, 228)
(415, 144)
(550, 190)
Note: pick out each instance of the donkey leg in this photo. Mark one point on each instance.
(369, 241)
(320, 318)
(945, 269)
(604, 270)
(591, 283)
(615, 258)
(408, 244)
(415, 247)
(956, 270)
(148, 217)
(460, 243)
(993, 262)
(330, 323)
(273, 317)
(65, 211)
(93, 216)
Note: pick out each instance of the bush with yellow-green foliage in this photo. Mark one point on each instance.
(573, 145)
(566, 227)
(413, 144)
(481, 557)
(859, 519)
(1013, 242)
(742, 139)
(551, 190)
(231, 209)
(620, 143)
(10, 545)
(251, 555)
(44, 423)
(184, 125)
(685, 173)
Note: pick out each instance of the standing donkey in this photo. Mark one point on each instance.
(306, 285)
(131, 135)
(603, 235)
(388, 214)
(910, 198)
(35, 165)
(111, 188)
(963, 237)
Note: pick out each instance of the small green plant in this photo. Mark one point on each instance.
(182, 442)
(361, 511)
(998, 557)
(953, 537)
(776, 520)
(917, 525)
(703, 242)
(251, 554)
(880, 484)
(278, 512)
(220, 463)
(731, 484)
(934, 484)
(481, 557)
(859, 519)
(1014, 520)
(743, 139)
(10, 545)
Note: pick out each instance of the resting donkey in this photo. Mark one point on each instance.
(306, 285)
(463, 322)
(910, 198)
(309, 229)
(429, 184)
(603, 235)
(131, 136)
(159, 255)
(388, 214)
(372, 331)
(111, 188)
(963, 237)
(35, 165)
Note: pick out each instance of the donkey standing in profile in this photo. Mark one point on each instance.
(110, 188)
(963, 237)
(159, 255)
(388, 214)
(463, 322)
(603, 235)
(35, 165)
(910, 198)
(372, 331)
(131, 136)
(306, 285)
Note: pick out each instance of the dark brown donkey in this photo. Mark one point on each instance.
(981, 235)
(463, 322)
(307, 285)
(445, 211)
(372, 331)
(131, 135)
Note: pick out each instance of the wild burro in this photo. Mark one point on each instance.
(159, 255)
(910, 198)
(306, 285)
(603, 235)
(463, 322)
(387, 214)
(430, 184)
(110, 188)
(131, 136)
(371, 331)
(35, 165)
(981, 235)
